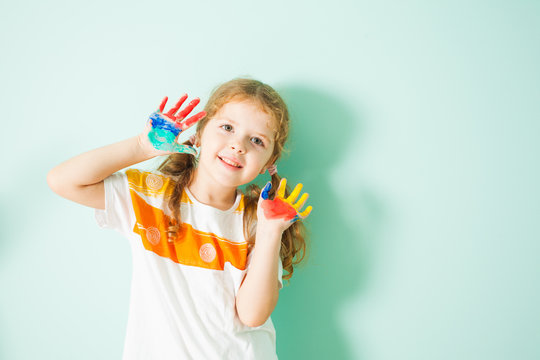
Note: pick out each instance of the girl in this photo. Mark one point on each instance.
(208, 260)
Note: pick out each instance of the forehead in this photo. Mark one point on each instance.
(248, 113)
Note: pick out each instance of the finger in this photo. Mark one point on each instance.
(301, 202)
(294, 194)
(162, 105)
(182, 114)
(281, 188)
(266, 190)
(306, 212)
(186, 124)
(177, 106)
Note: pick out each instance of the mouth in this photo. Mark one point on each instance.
(230, 163)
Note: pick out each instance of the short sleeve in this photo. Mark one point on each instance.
(279, 273)
(118, 213)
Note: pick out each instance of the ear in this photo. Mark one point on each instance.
(195, 140)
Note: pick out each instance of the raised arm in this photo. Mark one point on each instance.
(80, 179)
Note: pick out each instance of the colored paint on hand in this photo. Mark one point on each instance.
(163, 136)
(178, 119)
(265, 190)
(283, 208)
(278, 208)
(166, 127)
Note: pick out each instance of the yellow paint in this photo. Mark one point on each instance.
(292, 198)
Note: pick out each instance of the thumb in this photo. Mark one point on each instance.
(266, 190)
(185, 149)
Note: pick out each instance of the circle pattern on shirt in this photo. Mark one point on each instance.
(207, 252)
(154, 182)
(153, 235)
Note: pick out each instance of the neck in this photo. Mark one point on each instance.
(209, 193)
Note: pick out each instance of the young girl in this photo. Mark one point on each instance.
(207, 260)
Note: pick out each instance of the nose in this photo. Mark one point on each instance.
(238, 146)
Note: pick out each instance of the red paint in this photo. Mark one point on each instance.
(192, 120)
(173, 111)
(177, 119)
(278, 208)
(162, 105)
(188, 109)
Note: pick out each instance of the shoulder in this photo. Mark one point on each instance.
(150, 183)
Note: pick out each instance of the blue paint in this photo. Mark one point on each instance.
(161, 139)
(295, 218)
(265, 190)
(158, 121)
(163, 135)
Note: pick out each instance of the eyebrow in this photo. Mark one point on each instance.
(234, 122)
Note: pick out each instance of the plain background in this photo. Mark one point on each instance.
(415, 129)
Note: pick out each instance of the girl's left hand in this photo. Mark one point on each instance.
(280, 213)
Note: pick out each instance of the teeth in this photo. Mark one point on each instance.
(230, 162)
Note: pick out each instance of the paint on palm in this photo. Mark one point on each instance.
(281, 207)
(166, 127)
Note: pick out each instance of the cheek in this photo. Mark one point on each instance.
(269, 154)
(209, 142)
(262, 160)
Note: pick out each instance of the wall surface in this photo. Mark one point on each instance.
(415, 130)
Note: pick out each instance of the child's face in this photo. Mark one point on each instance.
(237, 143)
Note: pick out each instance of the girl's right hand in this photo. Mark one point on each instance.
(162, 130)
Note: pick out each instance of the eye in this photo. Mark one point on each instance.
(226, 127)
(257, 141)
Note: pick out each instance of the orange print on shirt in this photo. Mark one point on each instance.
(191, 247)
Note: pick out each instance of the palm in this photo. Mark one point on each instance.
(285, 208)
(166, 127)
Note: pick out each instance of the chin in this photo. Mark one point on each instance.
(235, 182)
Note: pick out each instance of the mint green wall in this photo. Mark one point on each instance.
(416, 129)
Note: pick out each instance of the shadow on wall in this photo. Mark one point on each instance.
(337, 269)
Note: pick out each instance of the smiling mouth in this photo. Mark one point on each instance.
(230, 162)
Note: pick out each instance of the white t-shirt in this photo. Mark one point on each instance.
(183, 292)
